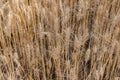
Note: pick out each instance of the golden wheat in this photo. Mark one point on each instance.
(59, 39)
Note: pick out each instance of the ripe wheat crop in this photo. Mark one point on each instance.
(59, 39)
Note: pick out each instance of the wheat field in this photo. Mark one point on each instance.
(59, 39)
